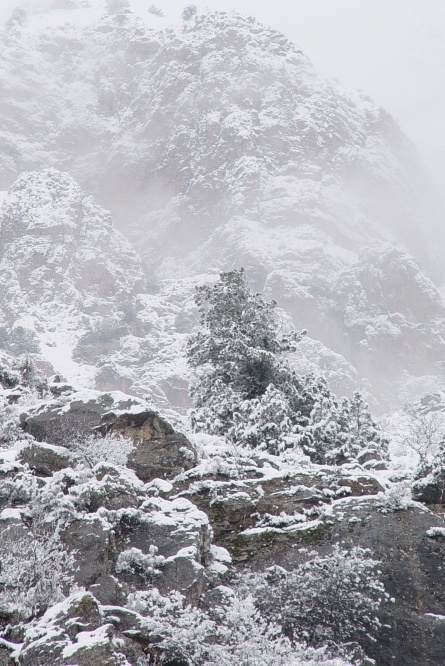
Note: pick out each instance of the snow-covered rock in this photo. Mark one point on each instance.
(215, 145)
(158, 451)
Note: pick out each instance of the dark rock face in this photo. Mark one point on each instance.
(265, 522)
(45, 459)
(5, 656)
(277, 503)
(91, 541)
(430, 489)
(412, 566)
(159, 451)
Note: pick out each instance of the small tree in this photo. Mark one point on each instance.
(36, 570)
(421, 432)
(237, 354)
(245, 389)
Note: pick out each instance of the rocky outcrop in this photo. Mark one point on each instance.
(123, 534)
(80, 632)
(267, 518)
(280, 502)
(158, 450)
(45, 459)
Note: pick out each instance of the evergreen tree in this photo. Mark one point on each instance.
(245, 389)
(237, 356)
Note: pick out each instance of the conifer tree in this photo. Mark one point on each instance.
(246, 390)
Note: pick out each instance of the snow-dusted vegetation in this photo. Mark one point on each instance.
(222, 430)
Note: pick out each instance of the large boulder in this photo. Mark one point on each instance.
(77, 632)
(45, 459)
(159, 450)
(430, 489)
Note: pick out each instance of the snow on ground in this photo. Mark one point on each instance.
(57, 349)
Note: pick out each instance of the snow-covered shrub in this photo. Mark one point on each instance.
(94, 449)
(10, 429)
(429, 478)
(18, 341)
(8, 378)
(145, 565)
(234, 633)
(397, 497)
(35, 568)
(421, 432)
(340, 431)
(155, 11)
(189, 12)
(436, 533)
(333, 598)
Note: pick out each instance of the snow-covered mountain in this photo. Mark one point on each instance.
(215, 144)
(73, 293)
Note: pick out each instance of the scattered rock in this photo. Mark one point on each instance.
(76, 633)
(430, 489)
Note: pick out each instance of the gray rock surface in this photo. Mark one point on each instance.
(265, 522)
(76, 633)
(159, 451)
(45, 459)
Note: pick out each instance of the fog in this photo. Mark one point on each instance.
(394, 51)
(188, 179)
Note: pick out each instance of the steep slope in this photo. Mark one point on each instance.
(73, 294)
(63, 267)
(217, 145)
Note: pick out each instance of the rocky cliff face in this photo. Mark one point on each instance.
(73, 292)
(130, 530)
(214, 145)
(217, 144)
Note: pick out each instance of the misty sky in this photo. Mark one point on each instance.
(394, 50)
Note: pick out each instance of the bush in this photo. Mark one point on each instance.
(36, 570)
(334, 598)
(19, 340)
(189, 12)
(234, 633)
(145, 566)
(155, 10)
(429, 478)
(94, 449)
